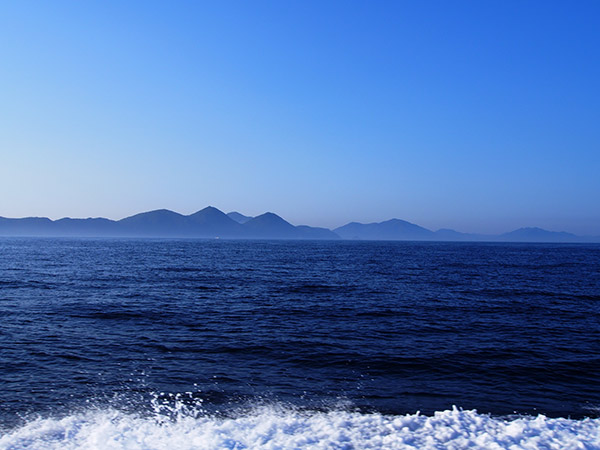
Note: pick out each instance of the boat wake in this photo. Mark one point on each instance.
(178, 426)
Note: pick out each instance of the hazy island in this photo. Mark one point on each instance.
(213, 223)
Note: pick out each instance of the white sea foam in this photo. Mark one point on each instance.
(273, 428)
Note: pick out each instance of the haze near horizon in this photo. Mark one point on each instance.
(481, 117)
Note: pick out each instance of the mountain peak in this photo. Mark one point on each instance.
(269, 217)
(270, 225)
(536, 234)
(209, 210)
(393, 229)
(156, 213)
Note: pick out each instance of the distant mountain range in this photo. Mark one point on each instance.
(206, 223)
(396, 229)
(213, 223)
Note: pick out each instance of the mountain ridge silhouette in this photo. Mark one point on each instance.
(211, 222)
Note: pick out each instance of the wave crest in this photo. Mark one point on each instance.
(272, 427)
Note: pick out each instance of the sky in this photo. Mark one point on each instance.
(481, 116)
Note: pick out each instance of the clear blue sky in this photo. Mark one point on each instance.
(483, 116)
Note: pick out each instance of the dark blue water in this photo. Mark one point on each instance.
(377, 326)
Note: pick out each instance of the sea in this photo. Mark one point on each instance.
(224, 344)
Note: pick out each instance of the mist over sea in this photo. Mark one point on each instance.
(125, 343)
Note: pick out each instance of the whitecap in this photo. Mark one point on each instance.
(277, 428)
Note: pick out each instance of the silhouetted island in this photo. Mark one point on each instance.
(206, 223)
(213, 223)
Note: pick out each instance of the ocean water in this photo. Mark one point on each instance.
(156, 344)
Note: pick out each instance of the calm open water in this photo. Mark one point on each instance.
(355, 327)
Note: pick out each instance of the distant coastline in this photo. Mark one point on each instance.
(213, 223)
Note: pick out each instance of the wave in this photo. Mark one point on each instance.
(286, 428)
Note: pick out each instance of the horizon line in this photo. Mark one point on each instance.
(526, 227)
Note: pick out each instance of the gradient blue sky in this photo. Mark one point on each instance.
(483, 116)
